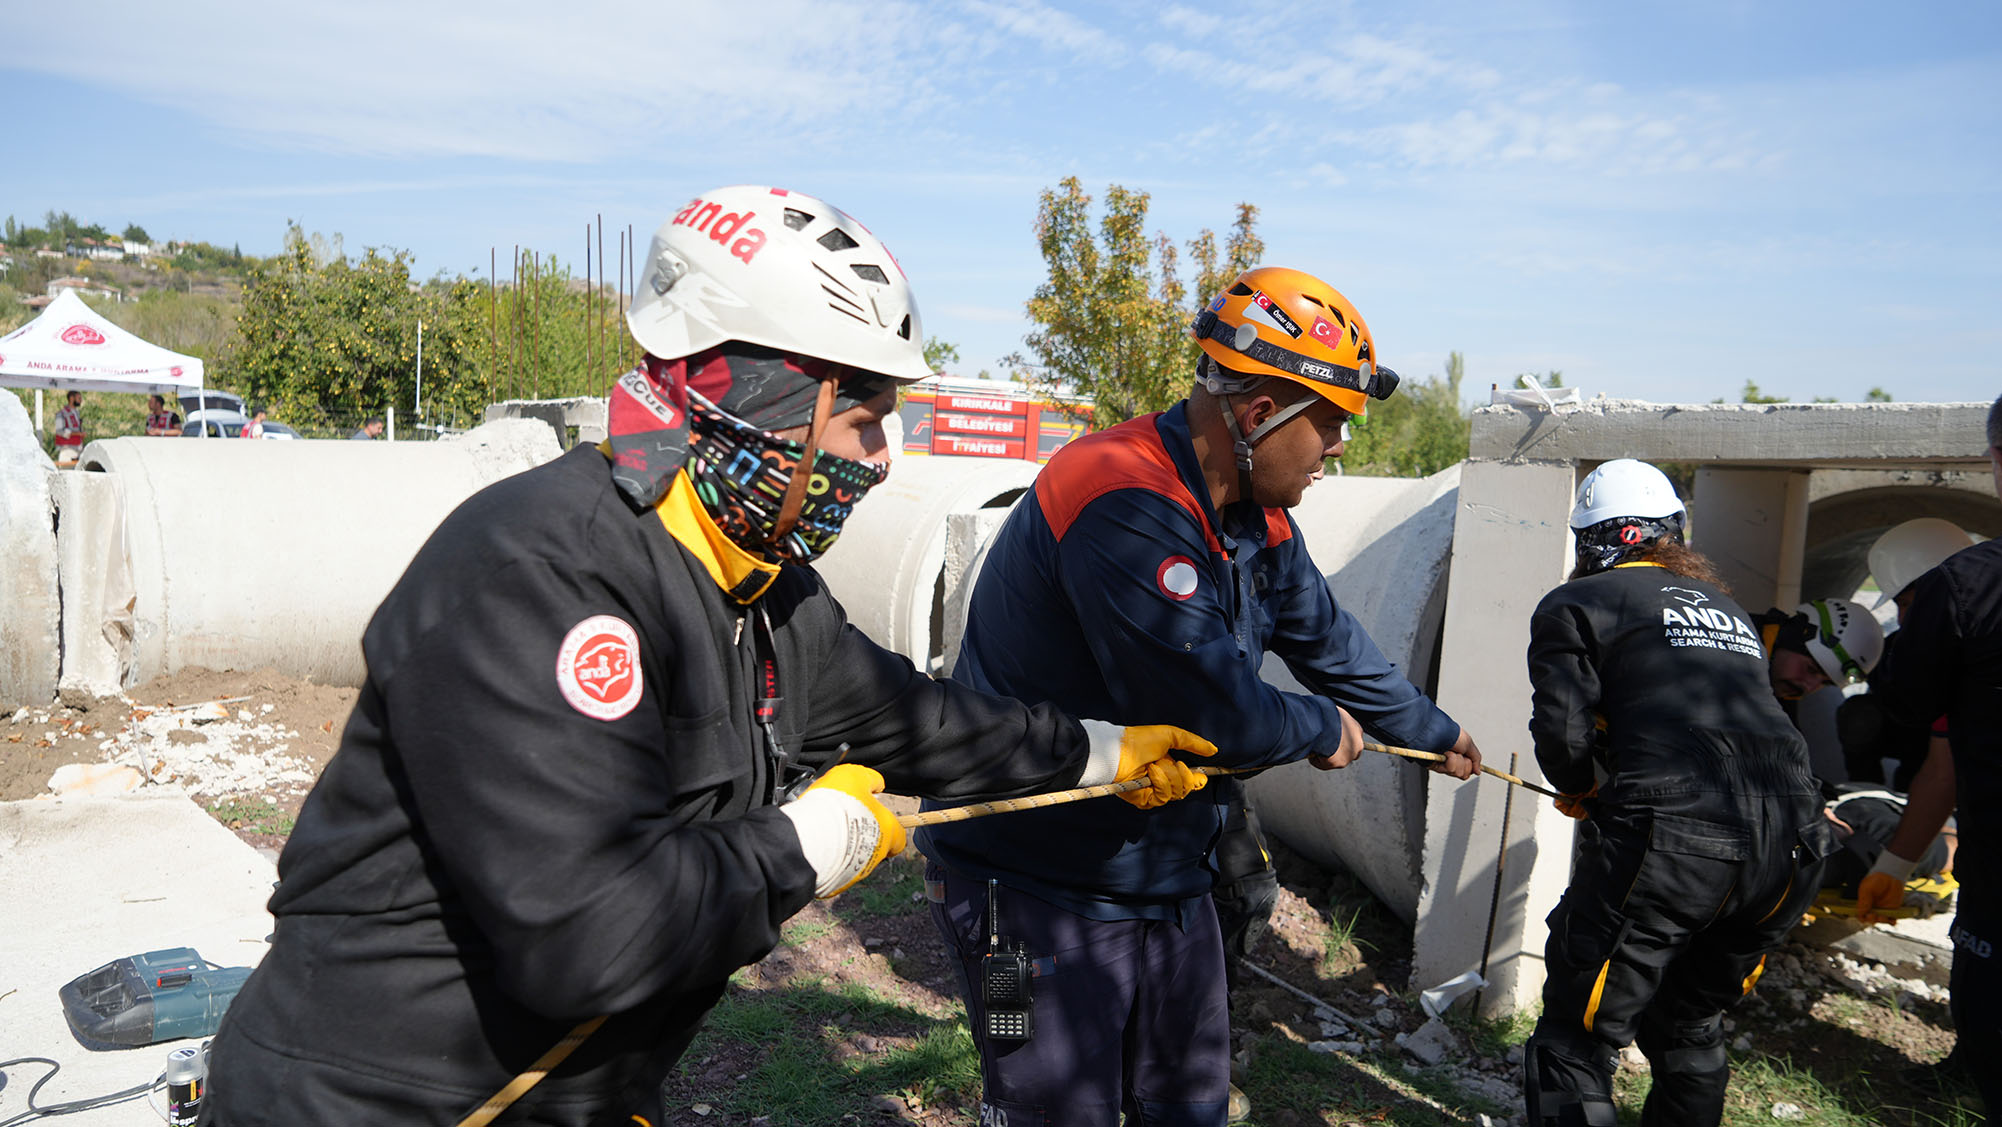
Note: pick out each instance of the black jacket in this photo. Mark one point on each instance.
(483, 864)
(1676, 671)
(1949, 660)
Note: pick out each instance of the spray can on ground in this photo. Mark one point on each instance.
(187, 1075)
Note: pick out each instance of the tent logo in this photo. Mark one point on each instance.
(82, 334)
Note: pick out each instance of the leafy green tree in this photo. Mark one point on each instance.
(134, 233)
(1418, 431)
(1876, 395)
(1754, 395)
(940, 354)
(325, 344)
(1112, 317)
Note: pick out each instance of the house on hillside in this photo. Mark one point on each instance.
(83, 287)
(137, 249)
(83, 246)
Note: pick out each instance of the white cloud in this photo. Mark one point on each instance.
(1049, 26)
(510, 78)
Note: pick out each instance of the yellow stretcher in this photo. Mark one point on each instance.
(1924, 896)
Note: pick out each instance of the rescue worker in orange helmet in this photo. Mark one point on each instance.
(1149, 571)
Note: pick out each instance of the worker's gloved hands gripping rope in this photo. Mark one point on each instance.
(843, 830)
(846, 832)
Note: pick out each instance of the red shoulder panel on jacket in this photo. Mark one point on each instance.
(1127, 456)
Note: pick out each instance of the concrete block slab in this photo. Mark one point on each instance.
(90, 880)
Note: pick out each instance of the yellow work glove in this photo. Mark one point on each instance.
(1120, 753)
(844, 832)
(1883, 886)
(1573, 805)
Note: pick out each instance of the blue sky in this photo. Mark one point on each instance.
(1661, 201)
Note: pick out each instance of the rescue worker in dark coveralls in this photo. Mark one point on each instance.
(571, 786)
(1148, 572)
(1704, 842)
(1949, 661)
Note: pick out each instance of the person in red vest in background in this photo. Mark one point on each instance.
(160, 420)
(69, 430)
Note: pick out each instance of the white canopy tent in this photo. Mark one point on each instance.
(70, 347)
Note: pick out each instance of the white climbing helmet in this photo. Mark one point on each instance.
(1624, 487)
(1847, 641)
(1911, 549)
(776, 268)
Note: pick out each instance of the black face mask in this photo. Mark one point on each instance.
(740, 474)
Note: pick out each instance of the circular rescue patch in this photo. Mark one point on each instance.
(598, 667)
(1176, 577)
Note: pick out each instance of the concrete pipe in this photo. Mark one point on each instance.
(1383, 544)
(29, 607)
(888, 568)
(252, 554)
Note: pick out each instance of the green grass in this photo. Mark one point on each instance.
(1760, 1082)
(256, 815)
(1288, 1081)
(801, 1080)
(887, 892)
(799, 932)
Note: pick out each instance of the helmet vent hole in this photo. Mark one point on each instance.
(1315, 300)
(871, 274)
(904, 330)
(797, 219)
(1240, 290)
(837, 239)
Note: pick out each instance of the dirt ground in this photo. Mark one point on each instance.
(854, 1017)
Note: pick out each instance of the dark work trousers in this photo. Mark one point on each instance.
(1131, 1016)
(1976, 985)
(1665, 926)
(1247, 886)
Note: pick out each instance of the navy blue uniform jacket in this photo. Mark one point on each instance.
(1115, 592)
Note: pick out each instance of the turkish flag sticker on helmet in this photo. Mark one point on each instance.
(598, 667)
(1267, 311)
(1177, 577)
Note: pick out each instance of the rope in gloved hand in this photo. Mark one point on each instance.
(1058, 798)
(502, 1099)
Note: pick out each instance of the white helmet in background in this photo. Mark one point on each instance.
(1847, 641)
(1624, 487)
(1624, 507)
(779, 269)
(1911, 549)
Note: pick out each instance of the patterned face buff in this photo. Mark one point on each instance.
(740, 474)
(1606, 543)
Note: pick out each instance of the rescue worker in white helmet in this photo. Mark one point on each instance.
(1940, 677)
(1149, 571)
(614, 732)
(1870, 737)
(1824, 643)
(1702, 838)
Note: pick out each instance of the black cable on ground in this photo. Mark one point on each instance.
(88, 1104)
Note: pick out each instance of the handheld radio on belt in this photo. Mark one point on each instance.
(1005, 975)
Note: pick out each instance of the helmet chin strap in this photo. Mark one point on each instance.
(1223, 387)
(802, 473)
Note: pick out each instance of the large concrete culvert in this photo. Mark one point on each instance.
(244, 555)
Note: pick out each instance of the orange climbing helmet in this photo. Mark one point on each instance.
(1275, 322)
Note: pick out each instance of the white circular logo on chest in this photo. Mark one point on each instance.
(598, 667)
(1176, 577)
